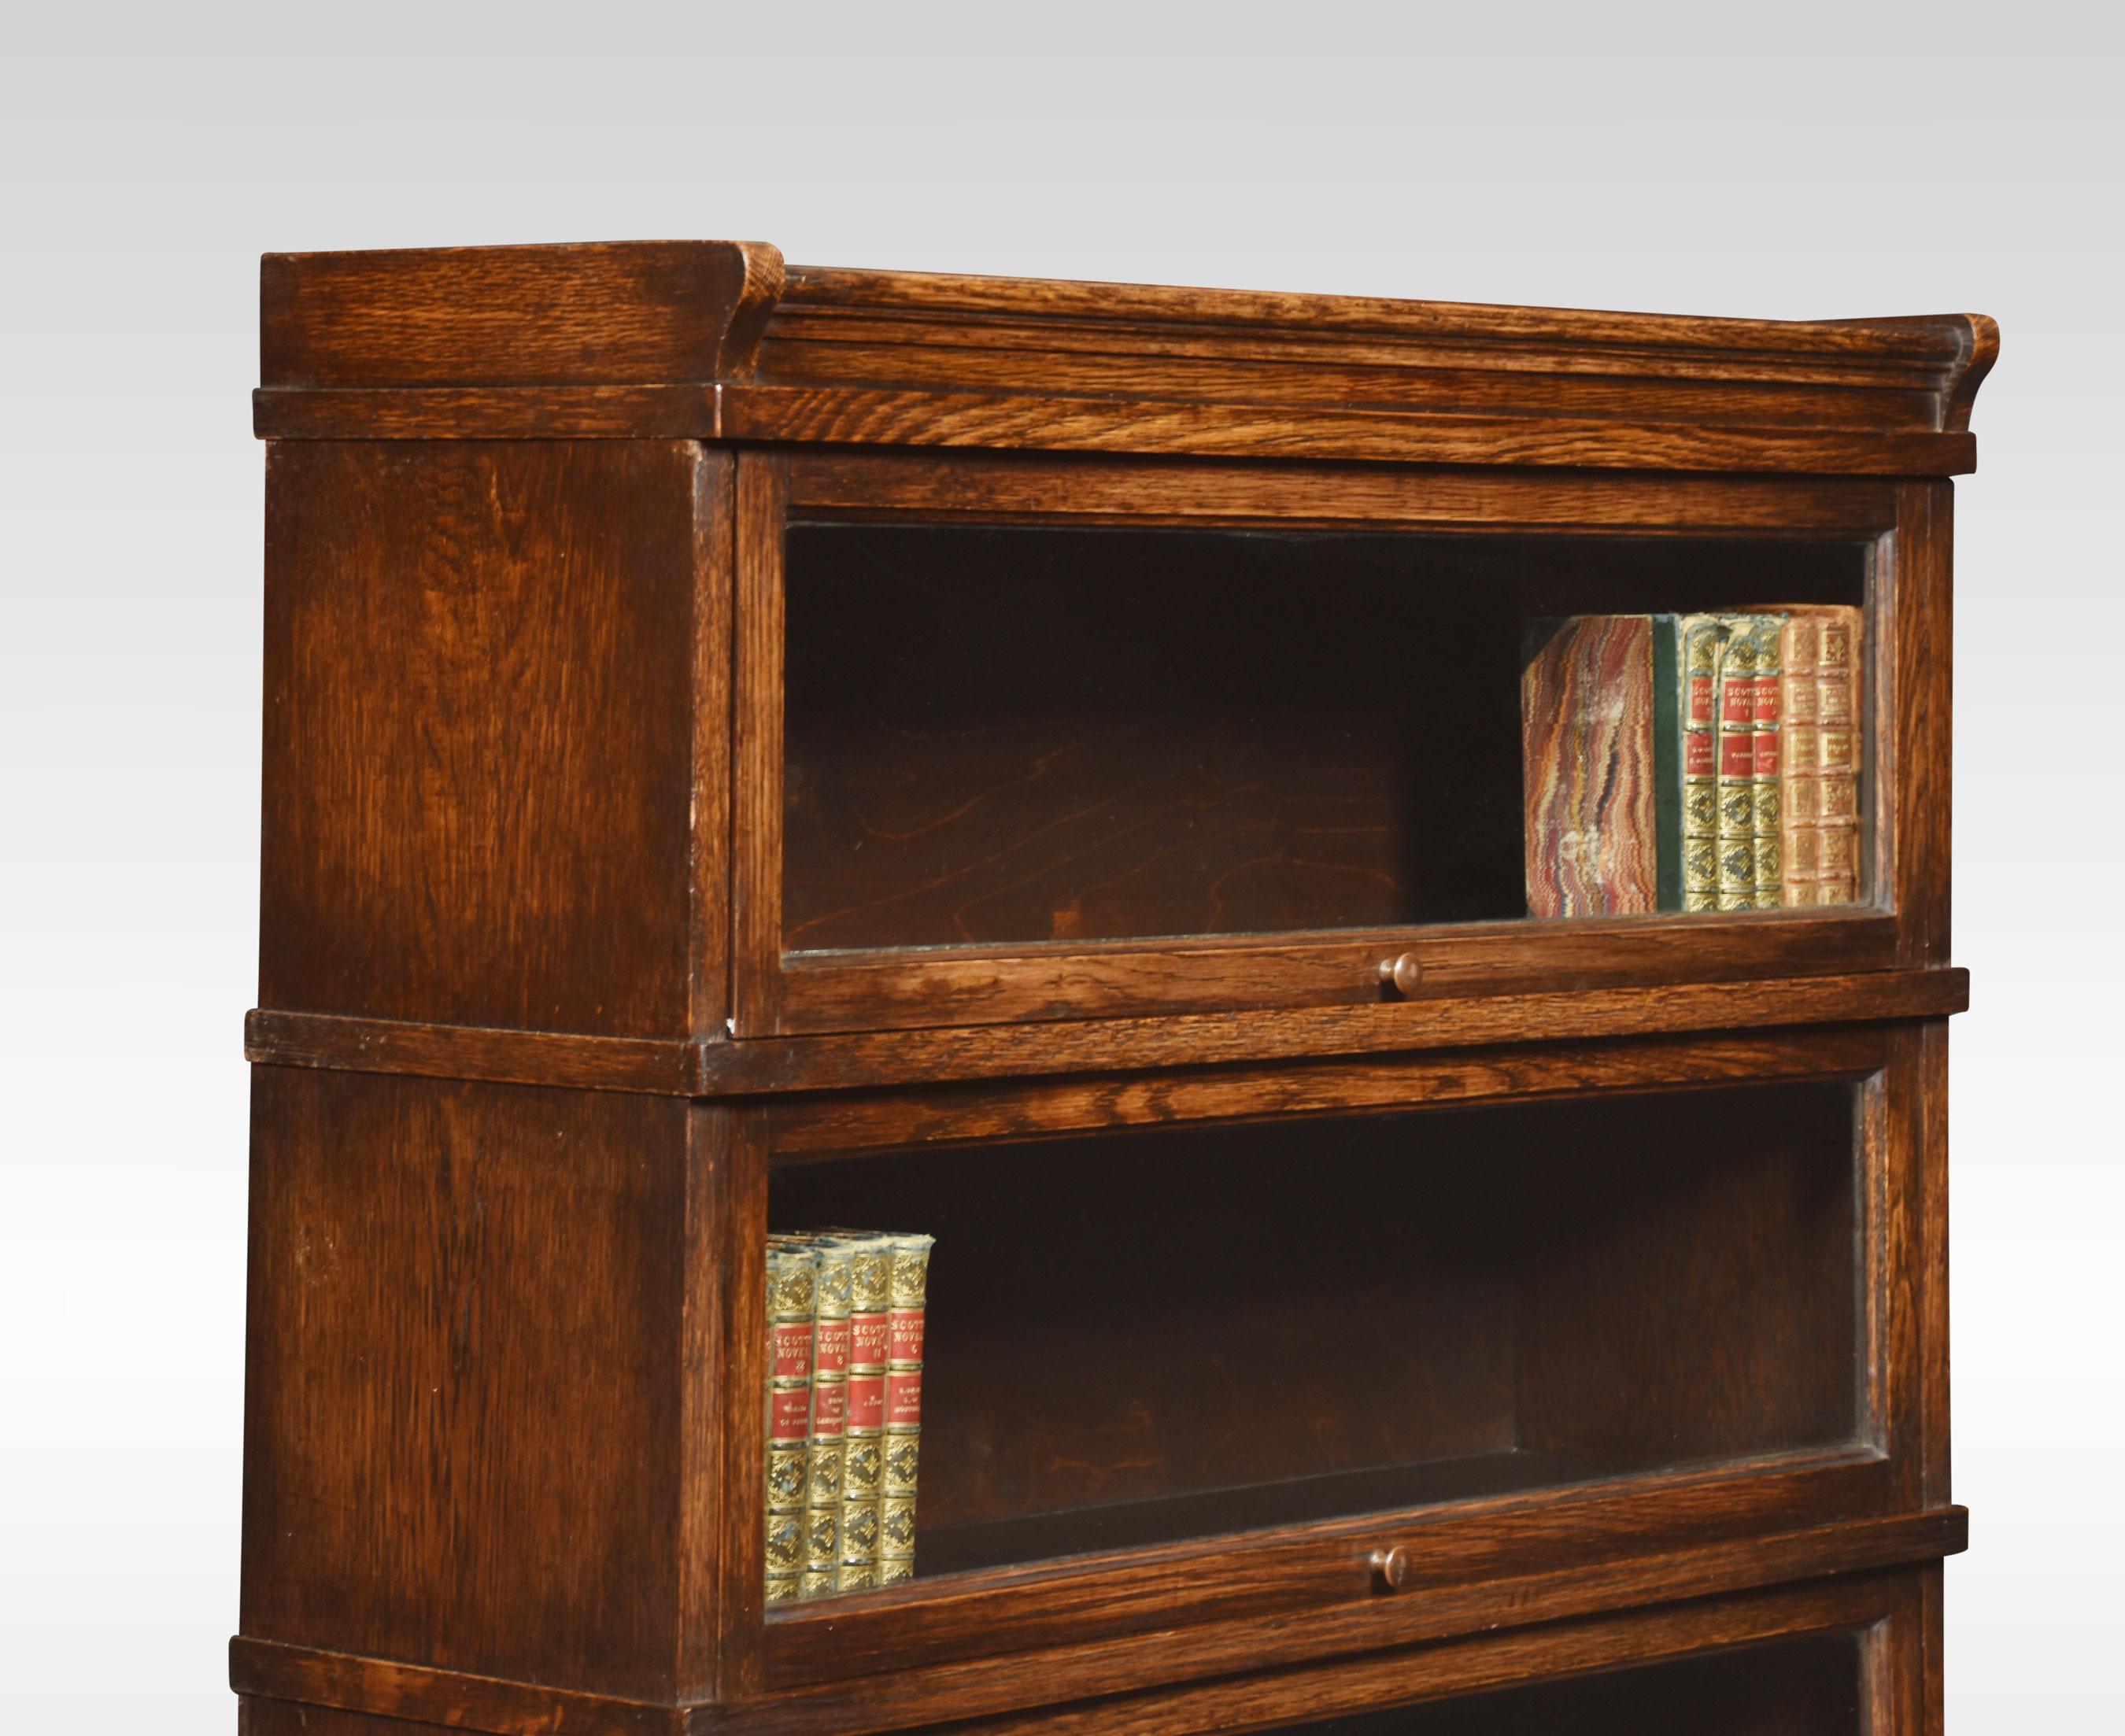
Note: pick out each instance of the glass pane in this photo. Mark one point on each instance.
(1000, 735)
(1140, 1337)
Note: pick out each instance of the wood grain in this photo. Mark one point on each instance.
(1392, 1652)
(1001, 1052)
(876, 416)
(477, 803)
(1252, 1657)
(810, 1126)
(934, 485)
(463, 1390)
(903, 358)
(609, 314)
(872, 989)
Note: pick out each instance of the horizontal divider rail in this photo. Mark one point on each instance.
(697, 1067)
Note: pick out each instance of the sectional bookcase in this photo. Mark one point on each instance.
(1040, 764)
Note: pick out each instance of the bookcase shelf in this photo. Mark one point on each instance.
(1039, 765)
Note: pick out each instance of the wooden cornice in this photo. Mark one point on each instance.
(717, 341)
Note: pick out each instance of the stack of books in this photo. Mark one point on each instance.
(846, 1310)
(1694, 762)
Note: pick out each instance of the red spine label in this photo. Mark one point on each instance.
(1697, 756)
(1767, 702)
(1737, 704)
(1737, 754)
(793, 1349)
(1766, 757)
(866, 1401)
(830, 1409)
(903, 1398)
(1700, 699)
(905, 1339)
(789, 1416)
(867, 1341)
(832, 1354)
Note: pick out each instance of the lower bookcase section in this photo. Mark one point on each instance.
(1136, 1339)
(1810, 1686)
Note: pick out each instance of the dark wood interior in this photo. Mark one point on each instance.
(1149, 1336)
(1797, 1688)
(1004, 733)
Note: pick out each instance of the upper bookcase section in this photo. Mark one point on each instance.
(720, 340)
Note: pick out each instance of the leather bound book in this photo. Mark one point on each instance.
(830, 1392)
(1737, 765)
(871, 1266)
(790, 1274)
(1824, 746)
(1590, 781)
(1697, 640)
(909, 1289)
(1767, 706)
(1839, 753)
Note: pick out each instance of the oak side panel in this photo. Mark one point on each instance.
(709, 718)
(480, 660)
(762, 507)
(722, 1325)
(1929, 1194)
(463, 1401)
(1915, 716)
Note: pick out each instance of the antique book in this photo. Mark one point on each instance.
(1822, 690)
(1697, 639)
(1766, 706)
(1590, 779)
(908, 1290)
(823, 1439)
(1736, 725)
(790, 1287)
(870, 1263)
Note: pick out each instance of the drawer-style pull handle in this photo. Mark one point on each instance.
(1402, 975)
(1391, 1568)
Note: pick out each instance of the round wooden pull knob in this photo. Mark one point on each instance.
(1391, 1568)
(1402, 975)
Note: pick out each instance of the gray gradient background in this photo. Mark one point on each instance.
(1809, 163)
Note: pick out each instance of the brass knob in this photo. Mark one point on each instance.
(1402, 975)
(1391, 1568)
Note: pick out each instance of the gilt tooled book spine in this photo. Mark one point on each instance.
(1737, 766)
(1766, 708)
(908, 1309)
(1589, 763)
(1839, 754)
(870, 1274)
(790, 1284)
(1698, 639)
(830, 1391)
(1820, 829)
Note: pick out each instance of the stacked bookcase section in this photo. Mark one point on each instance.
(1372, 876)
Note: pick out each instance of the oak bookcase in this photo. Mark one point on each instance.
(1037, 763)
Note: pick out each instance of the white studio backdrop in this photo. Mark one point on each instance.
(1738, 161)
